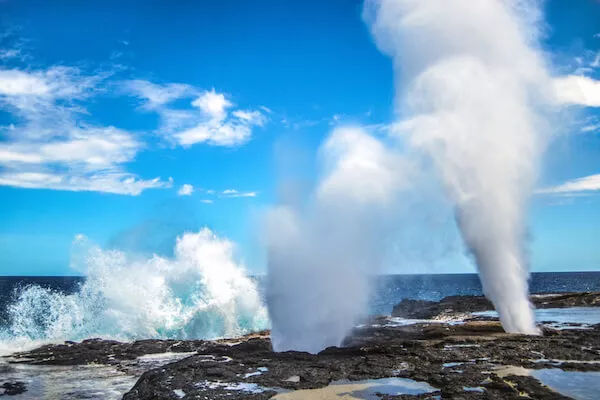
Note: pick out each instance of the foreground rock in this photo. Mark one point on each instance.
(12, 388)
(453, 306)
(448, 357)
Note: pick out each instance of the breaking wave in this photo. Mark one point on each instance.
(200, 293)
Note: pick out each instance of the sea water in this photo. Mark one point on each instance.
(191, 298)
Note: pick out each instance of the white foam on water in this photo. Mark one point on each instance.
(202, 292)
(234, 386)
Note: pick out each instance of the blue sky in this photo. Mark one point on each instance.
(131, 122)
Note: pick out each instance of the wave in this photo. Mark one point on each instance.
(199, 293)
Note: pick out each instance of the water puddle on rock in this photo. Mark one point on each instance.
(561, 317)
(97, 382)
(575, 384)
(364, 390)
(72, 382)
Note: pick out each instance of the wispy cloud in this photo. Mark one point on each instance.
(154, 95)
(7, 54)
(211, 117)
(47, 145)
(586, 184)
(231, 193)
(185, 190)
(212, 195)
(590, 128)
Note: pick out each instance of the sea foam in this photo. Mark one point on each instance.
(200, 293)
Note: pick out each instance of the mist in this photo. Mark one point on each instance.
(323, 249)
(471, 94)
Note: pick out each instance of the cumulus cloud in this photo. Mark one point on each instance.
(46, 145)
(585, 184)
(185, 190)
(211, 117)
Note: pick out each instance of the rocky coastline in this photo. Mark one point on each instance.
(472, 359)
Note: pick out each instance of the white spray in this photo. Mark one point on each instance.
(470, 90)
(321, 254)
(201, 293)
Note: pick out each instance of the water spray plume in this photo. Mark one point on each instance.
(471, 95)
(321, 255)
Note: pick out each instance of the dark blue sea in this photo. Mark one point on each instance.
(388, 291)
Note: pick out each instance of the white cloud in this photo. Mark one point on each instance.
(212, 120)
(232, 193)
(185, 190)
(596, 62)
(15, 82)
(117, 183)
(89, 147)
(216, 126)
(213, 104)
(578, 90)
(576, 186)
(591, 128)
(47, 145)
(207, 201)
(252, 117)
(156, 95)
(215, 134)
(266, 109)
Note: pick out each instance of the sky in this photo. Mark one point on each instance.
(131, 122)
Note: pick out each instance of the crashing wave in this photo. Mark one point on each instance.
(201, 293)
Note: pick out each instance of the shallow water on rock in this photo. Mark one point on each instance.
(71, 382)
(364, 390)
(575, 384)
(573, 315)
(99, 382)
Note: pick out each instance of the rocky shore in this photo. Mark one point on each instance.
(453, 306)
(474, 359)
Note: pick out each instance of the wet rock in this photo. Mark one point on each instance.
(449, 357)
(12, 388)
(456, 305)
(100, 351)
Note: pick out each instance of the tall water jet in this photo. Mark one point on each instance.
(471, 87)
(321, 253)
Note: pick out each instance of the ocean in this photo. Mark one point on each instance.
(60, 308)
